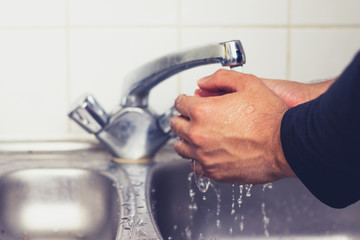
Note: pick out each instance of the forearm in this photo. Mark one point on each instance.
(320, 139)
(316, 89)
(295, 93)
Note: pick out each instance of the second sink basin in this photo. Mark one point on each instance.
(283, 210)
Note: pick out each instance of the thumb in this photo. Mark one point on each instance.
(221, 81)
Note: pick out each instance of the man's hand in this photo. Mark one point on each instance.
(232, 128)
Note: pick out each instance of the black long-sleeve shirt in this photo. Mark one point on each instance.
(321, 140)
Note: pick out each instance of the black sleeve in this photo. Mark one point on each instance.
(321, 140)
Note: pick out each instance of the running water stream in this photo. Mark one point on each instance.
(239, 194)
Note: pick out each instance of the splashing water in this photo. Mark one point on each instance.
(241, 225)
(233, 200)
(218, 206)
(248, 189)
(193, 206)
(240, 199)
(202, 183)
(266, 219)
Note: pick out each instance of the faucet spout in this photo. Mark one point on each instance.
(143, 79)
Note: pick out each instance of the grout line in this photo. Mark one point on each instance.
(68, 77)
(288, 47)
(179, 29)
(67, 26)
(310, 26)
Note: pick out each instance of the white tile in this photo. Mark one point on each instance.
(234, 12)
(322, 53)
(32, 13)
(115, 12)
(33, 98)
(101, 58)
(325, 12)
(265, 51)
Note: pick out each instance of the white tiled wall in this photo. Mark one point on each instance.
(53, 51)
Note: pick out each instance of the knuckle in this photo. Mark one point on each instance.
(201, 156)
(251, 77)
(220, 72)
(194, 136)
(178, 101)
(200, 110)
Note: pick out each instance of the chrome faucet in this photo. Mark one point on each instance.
(134, 131)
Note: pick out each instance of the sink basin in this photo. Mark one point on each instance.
(283, 210)
(53, 193)
(58, 204)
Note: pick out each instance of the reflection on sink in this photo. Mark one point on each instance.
(287, 211)
(58, 203)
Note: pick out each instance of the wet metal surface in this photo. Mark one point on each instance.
(73, 191)
(285, 210)
(56, 203)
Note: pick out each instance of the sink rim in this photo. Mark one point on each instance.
(7, 147)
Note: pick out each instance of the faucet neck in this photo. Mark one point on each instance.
(142, 80)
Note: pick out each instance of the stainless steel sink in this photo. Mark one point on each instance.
(283, 210)
(54, 193)
(75, 190)
(64, 203)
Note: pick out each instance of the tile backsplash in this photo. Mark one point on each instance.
(53, 51)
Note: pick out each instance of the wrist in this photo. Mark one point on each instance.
(319, 88)
(284, 169)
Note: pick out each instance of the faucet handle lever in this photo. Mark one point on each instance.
(164, 121)
(89, 114)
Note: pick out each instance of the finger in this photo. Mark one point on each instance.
(222, 80)
(184, 149)
(180, 126)
(184, 103)
(206, 93)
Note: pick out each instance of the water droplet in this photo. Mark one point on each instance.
(201, 182)
(201, 237)
(248, 189)
(233, 200)
(191, 193)
(250, 109)
(242, 223)
(267, 186)
(188, 232)
(266, 220)
(218, 223)
(240, 200)
(193, 206)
